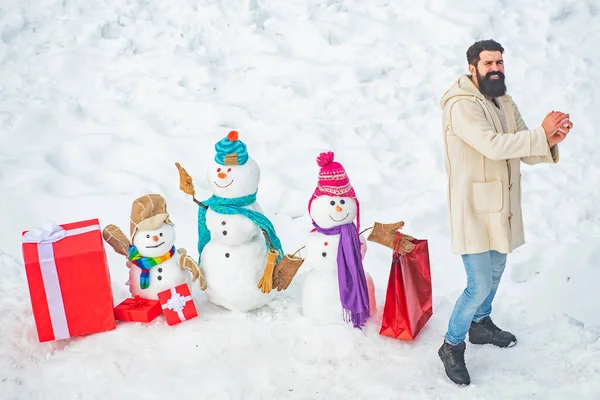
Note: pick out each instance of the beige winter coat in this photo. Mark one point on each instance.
(483, 155)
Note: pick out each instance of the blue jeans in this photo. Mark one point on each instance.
(484, 271)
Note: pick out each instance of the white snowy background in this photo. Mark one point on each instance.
(99, 99)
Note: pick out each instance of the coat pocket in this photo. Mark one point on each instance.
(487, 196)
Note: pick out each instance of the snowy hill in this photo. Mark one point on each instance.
(99, 99)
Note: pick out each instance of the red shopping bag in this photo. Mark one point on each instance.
(408, 302)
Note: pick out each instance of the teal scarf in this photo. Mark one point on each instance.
(222, 205)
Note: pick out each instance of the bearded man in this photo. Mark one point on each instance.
(485, 141)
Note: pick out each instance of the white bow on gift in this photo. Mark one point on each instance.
(177, 303)
(51, 232)
(47, 233)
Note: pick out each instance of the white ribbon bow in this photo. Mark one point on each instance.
(47, 233)
(177, 303)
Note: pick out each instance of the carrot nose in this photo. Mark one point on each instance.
(155, 238)
(338, 208)
(222, 175)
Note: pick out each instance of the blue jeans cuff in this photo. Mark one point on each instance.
(451, 342)
(477, 319)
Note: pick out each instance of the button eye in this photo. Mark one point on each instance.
(332, 203)
(342, 201)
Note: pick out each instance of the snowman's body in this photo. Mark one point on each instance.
(234, 261)
(232, 230)
(320, 291)
(235, 258)
(163, 276)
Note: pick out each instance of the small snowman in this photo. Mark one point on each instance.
(154, 263)
(237, 243)
(336, 287)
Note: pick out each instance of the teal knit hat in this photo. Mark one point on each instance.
(231, 151)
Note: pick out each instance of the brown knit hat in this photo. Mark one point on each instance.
(148, 212)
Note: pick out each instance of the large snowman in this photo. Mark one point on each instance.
(336, 287)
(236, 241)
(154, 263)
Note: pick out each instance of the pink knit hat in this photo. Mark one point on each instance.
(333, 181)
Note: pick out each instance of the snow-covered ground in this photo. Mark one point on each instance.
(99, 99)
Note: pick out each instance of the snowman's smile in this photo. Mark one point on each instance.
(153, 247)
(222, 187)
(339, 220)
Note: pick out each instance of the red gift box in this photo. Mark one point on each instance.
(69, 280)
(138, 309)
(408, 301)
(177, 304)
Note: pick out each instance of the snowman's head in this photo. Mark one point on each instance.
(331, 211)
(154, 242)
(230, 181)
(334, 201)
(233, 173)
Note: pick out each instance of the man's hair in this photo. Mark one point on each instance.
(477, 47)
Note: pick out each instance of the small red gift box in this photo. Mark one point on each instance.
(138, 309)
(177, 304)
(69, 280)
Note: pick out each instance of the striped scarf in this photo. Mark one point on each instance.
(236, 205)
(145, 263)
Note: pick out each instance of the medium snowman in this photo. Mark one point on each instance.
(237, 243)
(154, 263)
(336, 287)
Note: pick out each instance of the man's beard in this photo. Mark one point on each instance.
(491, 87)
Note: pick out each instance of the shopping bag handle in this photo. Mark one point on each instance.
(397, 242)
(403, 243)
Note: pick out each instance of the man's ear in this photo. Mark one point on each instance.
(472, 70)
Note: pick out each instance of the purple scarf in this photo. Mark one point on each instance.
(354, 294)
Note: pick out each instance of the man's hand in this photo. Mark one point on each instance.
(553, 121)
(557, 125)
(566, 128)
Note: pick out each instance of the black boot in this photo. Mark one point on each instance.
(486, 332)
(453, 358)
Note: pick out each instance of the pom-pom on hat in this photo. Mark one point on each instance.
(333, 181)
(230, 150)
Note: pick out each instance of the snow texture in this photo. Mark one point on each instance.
(99, 99)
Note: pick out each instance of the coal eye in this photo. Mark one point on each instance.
(342, 201)
(160, 234)
(148, 236)
(332, 203)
